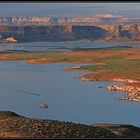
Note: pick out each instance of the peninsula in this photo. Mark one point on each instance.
(106, 64)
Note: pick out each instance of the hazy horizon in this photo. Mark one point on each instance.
(69, 9)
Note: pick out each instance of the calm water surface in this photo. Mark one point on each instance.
(69, 99)
(57, 46)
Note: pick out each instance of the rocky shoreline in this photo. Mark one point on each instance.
(133, 92)
(130, 86)
(13, 125)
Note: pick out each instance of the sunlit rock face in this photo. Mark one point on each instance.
(10, 40)
(46, 29)
(86, 21)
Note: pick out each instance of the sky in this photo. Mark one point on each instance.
(69, 9)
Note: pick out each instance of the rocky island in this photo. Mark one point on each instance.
(10, 40)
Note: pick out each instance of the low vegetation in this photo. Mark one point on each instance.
(118, 65)
(122, 61)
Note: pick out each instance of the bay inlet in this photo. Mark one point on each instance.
(68, 98)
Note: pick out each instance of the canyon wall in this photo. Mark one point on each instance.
(52, 33)
(84, 21)
(70, 32)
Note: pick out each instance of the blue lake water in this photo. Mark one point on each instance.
(68, 98)
(57, 46)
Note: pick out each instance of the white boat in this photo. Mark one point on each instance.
(43, 105)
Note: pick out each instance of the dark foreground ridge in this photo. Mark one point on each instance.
(13, 125)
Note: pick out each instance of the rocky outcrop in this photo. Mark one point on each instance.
(125, 80)
(113, 36)
(130, 87)
(125, 88)
(133, 92)
(13, 125)
(10, 40)
(119, 32)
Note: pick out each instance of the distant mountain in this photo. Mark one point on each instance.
(86, 21)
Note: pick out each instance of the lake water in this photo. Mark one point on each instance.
(57, 46)
(68, 98)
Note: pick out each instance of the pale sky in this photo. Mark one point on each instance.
(69, 9)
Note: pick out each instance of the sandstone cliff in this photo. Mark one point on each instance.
(120, 32)
(92, 20)
(70, 32)
(52, 32)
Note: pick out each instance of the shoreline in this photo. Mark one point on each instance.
(131, 90)
(19, 126)
(97, 75)
(130, 87)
